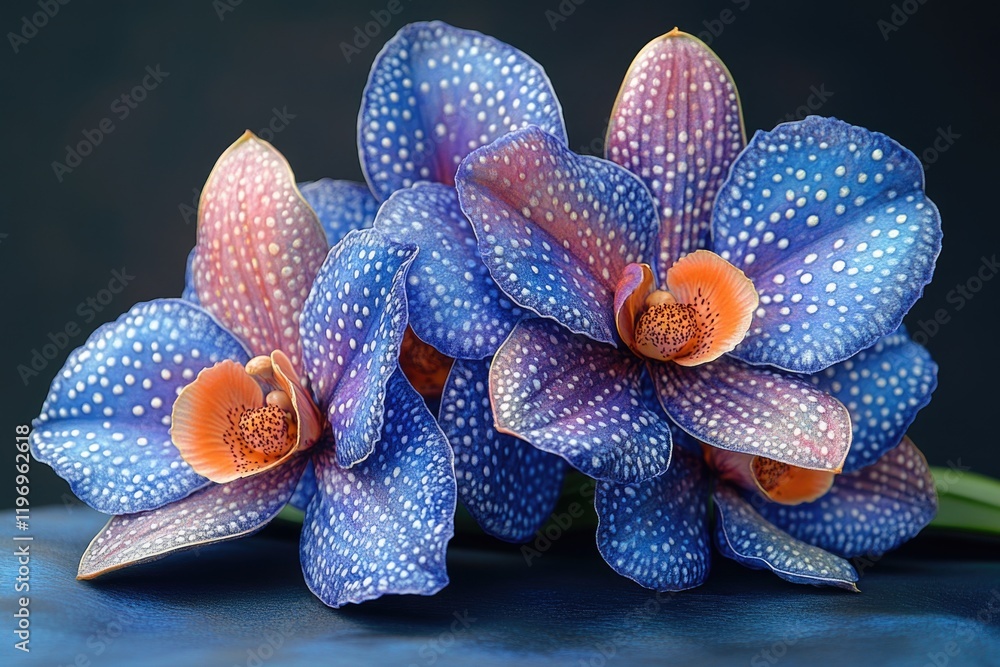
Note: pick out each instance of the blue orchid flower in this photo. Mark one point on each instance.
(195, 420)
(341, 206)
(436, 93)
(657, 532)
(698, 276)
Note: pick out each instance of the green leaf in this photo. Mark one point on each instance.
(966, 501)
(291, 514)
(955, 481)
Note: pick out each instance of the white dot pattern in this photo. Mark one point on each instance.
(508, 486)
(216, 513)
(104, 426)
(341, 206)
(754, 410)
(455, 305)
(869, 511)
(681, 438)
(883, 387)
(677, 125)
(352, 326)
(745, 536)
(656, 532)
(435, 93)
(831, 223)
(582, 400)
(557, 229)
(259, 248)
(384, 525)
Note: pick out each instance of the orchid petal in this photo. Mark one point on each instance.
(745, 536)
(751, 410)
(259, 248)
(105, 425)
(634, 286)
(383, 526)
(677, 124)
(454, 304)
(772, 480)
(352, 326)
(216, 513)
(883, 387)
(341, 206)
(867, 512)
(582, 400)
(305, 490)
(557, 229)
(435, 93)
(190, 293)
(508, 486)
(680, 437)
(656, 532)
(831, 223)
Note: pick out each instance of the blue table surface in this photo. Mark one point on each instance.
(937, 603)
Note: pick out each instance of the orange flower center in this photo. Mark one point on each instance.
(269, 430)
(777, 481)
(227, 428)
(665, 331)
(704, 312)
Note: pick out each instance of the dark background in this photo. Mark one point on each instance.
(232, 66)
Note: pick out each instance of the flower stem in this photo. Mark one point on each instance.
(967, 501)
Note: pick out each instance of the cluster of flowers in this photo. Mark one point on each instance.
(694, 321)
